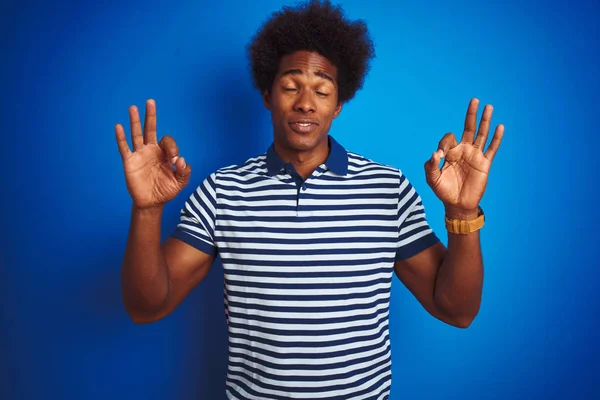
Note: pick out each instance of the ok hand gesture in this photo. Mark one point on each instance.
(154, 172)
(461, 182)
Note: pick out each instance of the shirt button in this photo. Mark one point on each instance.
(303, 187)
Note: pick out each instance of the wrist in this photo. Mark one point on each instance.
(147, 212)
(461, 214)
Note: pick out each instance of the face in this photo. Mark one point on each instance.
(303, 101)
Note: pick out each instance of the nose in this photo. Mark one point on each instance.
(305, 102)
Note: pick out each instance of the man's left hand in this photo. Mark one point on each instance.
(462, 180)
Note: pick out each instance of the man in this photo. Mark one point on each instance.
(309, 234)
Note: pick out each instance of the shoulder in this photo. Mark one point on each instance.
(361, 165)
(238, 172)
(254, 165)
(388, 176)
(227, 181)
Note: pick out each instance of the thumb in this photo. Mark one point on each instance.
(182, 171)
(432, 167)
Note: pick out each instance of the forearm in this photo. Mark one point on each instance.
(459, 279)
(144, 274)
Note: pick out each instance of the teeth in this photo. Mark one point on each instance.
(301, 124)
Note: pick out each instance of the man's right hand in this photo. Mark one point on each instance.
(154, 172)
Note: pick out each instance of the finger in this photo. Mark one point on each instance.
(484, 127)
(432, 168)
(470, 122)
(136, 128)
(447, 142)
(122, 142)
(495, 144)
(182, 171)
(170, 149)
(150, 122)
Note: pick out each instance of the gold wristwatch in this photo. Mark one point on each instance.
(462, 227)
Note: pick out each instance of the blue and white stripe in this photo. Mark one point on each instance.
(308, 269)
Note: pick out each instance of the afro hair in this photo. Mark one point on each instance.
(318, 27)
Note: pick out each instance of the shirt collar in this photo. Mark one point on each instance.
(337, 161)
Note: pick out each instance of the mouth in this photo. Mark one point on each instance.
(303, 126)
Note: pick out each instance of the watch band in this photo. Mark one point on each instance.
(463, 227)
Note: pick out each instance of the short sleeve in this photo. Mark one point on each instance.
(414, 232)
(197, 219)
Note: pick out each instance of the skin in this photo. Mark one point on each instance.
(448, 282)
(304, 89)
(157, 277)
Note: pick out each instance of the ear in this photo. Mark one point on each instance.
(267, 99)
(338, 110)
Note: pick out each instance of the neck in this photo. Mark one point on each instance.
(305, 162)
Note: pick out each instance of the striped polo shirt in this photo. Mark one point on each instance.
(308, 269)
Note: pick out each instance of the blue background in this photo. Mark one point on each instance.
(68, 75)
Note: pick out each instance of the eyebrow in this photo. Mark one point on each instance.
(299, 72)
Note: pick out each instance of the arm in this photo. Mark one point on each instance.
(447, 282)
(156, 278)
